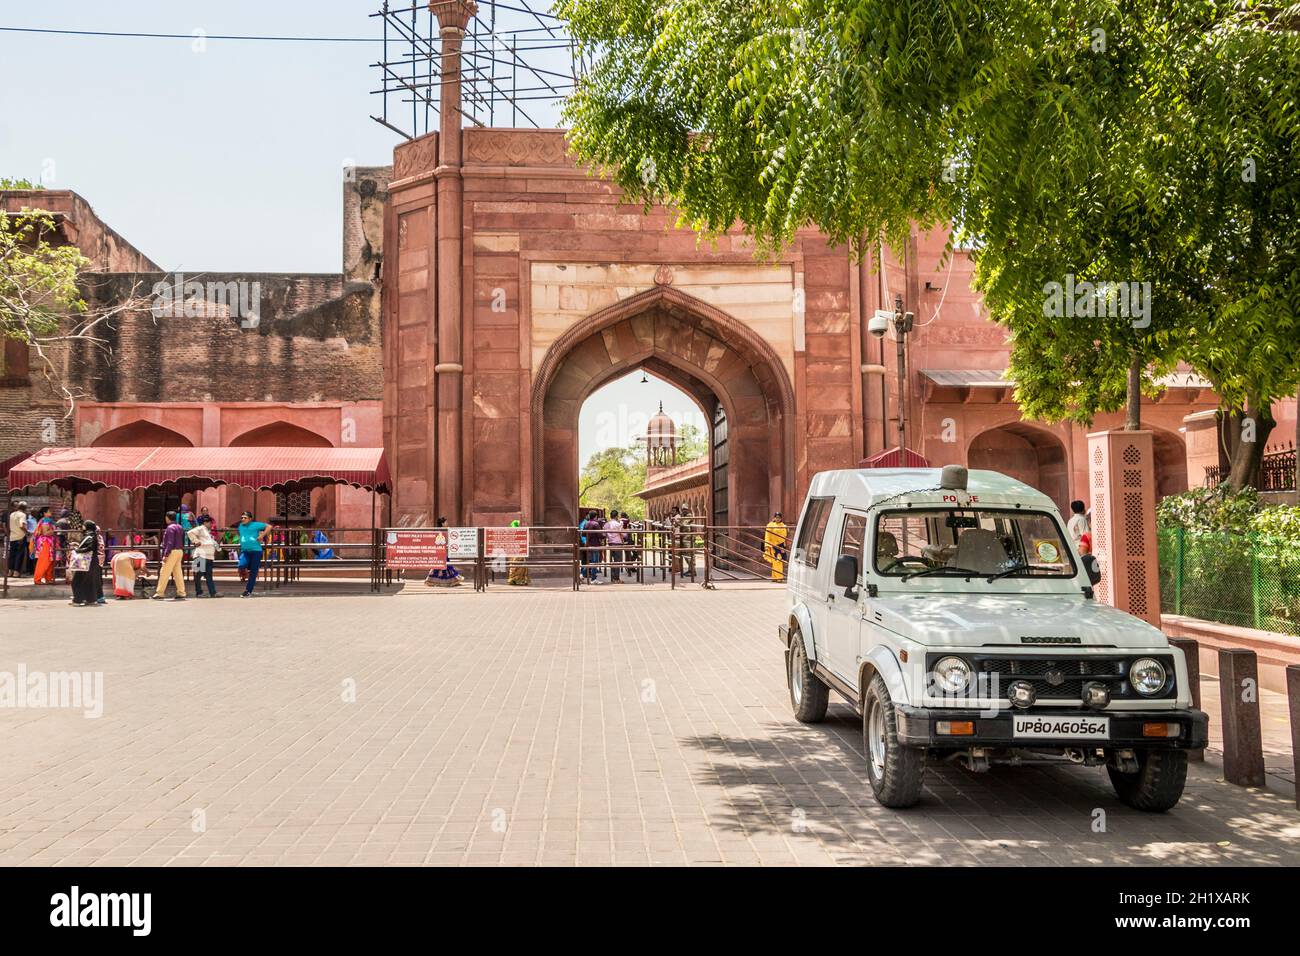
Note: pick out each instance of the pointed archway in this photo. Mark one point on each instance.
(710, 355)
(1027, 453)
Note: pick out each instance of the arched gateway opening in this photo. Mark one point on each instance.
(720, 362)
(1027, 453)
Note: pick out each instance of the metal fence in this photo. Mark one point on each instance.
(1277, 472)
(1246, 580)
(557, 557)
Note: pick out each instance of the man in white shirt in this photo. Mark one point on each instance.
(18, 539)
(614, 538)
(1078, 525)
(205, 554)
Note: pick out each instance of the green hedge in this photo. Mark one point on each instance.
(1250, 580)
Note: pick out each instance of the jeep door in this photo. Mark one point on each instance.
(844, 611)
(808, 569)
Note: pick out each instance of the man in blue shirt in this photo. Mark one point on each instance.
(251, 536)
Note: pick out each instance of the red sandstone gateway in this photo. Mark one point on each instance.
(955, 614)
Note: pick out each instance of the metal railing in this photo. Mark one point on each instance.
(557, 556)
(1276, 472)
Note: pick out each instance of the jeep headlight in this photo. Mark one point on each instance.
(951, 675)
(1147, 676)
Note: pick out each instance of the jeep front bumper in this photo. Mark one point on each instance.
(917, 727)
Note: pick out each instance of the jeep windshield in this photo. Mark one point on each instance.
(971, 542)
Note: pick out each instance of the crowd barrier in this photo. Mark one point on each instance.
(682, 552)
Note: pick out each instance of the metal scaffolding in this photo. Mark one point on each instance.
(517, 66)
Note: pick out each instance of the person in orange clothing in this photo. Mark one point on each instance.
(43, 549)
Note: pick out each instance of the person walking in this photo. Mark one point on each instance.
(172, 551)
(205, 556)
(84, 567)
(18, 539)
(252, 535)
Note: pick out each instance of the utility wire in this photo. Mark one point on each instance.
(190, 36)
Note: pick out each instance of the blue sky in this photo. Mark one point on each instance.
(230, 158)
(223, 160)
(616, 414)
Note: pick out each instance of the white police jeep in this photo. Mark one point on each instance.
(953, 612)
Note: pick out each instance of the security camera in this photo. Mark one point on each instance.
(878, 324)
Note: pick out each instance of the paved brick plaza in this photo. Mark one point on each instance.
(612, 726)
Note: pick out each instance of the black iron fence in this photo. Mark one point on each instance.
(1276, 472)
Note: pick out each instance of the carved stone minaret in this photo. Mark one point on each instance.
(453, 17)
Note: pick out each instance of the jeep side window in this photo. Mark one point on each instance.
(808, 549)
(855, 531)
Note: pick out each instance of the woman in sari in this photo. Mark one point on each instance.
(447, 577)
(83, 567)
(43, 550)
(127, 565)
(518, 574)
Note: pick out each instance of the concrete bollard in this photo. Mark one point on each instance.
(1193, 652)
(1293, 701)
(1243, 745)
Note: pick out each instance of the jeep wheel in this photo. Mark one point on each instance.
(896, 772)
(1158, 783)
(808, 696)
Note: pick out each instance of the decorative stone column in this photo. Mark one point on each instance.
(453, 17)
(1121, 469)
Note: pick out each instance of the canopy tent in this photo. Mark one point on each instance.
(193, 469)
(182, 470)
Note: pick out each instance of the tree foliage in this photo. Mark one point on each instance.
(692, 443)
(611, 478)
(1150, 142)
(41, 294)
(38, 278)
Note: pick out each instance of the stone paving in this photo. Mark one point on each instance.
(617, 726)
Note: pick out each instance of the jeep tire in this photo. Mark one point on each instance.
(809, 697)
(1158, 783)
(896, 772)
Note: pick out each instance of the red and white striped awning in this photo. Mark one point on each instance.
(191, 469)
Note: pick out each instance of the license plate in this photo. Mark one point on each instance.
(1060, 728)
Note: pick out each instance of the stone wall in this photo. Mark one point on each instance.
(547, 245)
(316, 338)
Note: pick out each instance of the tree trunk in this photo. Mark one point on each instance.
(1248, 434)
(1133, 407)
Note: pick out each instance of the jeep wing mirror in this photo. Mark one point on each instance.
(846, 574)
(1092, 567)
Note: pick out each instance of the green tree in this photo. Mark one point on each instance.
(41, 297)
(611, 478)
(692, 443)
(1082, 139)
